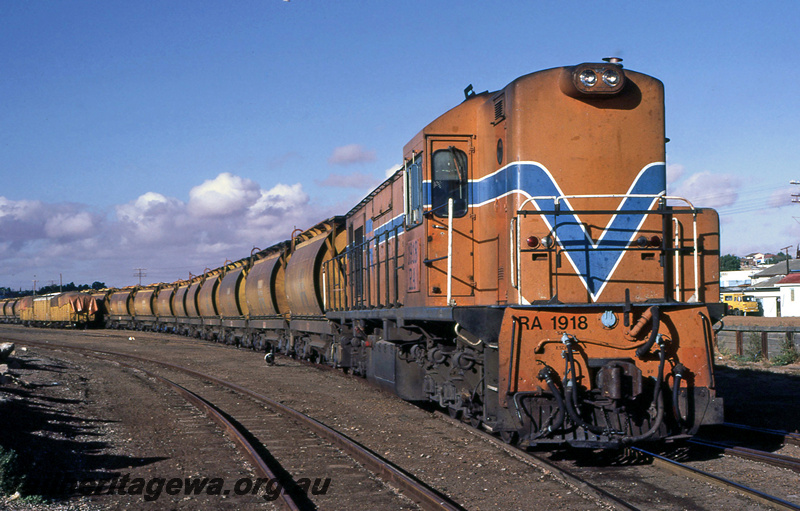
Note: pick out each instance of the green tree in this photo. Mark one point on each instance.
(729, 263)
(778, 258)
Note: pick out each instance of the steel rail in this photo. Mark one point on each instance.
(542, 463)
(788, 437)
(245, 447)
(684, 470)
(425, 497)
(776, 460)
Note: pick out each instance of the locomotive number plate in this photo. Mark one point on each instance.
(552, 322)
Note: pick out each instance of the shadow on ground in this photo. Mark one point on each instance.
(46, 446)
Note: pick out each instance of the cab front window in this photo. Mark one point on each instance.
(449, 182)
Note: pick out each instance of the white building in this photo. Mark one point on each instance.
(790, 295)
(768, 295)
(736, 278)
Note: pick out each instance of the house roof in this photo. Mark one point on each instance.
(779, 269)
(769, 283)
(793, 278)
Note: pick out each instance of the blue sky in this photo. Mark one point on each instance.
(172, 136)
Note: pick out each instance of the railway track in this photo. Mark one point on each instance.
(621, 499)
(443, 457)
(267, 467)
(640, 481)
(776, 460)
(785, 437)
(276, 448)
(718, 480)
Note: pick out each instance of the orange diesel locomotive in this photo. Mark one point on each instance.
(527, 270)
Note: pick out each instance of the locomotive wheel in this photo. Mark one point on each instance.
(509, 437)
(454, 413)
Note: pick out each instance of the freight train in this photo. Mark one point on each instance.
(524, 269)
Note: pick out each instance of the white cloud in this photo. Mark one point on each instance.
(224, 195)
(706, 189)
(391, 170)
(351, 154)
(224, 219)
(25, 221)
(675, 172)
(280, 198)
(147, 206)
(355, 180)
(69, 225)
(783, 197)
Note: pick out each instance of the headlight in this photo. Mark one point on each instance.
(588, 78)
(605, 78)
(611, 77)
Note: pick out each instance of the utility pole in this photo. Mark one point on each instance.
(787, 257)
(140, 272)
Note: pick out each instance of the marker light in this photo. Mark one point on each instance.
(533, 241)
(548, 242)
(652, 242)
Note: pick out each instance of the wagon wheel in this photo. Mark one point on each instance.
(454, 412)
(475, 412)
(475, 421)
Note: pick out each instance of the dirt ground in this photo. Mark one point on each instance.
(69, 418)
(81, 427)
(760, 395)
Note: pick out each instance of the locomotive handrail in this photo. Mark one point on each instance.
(557, 199)
(351, 288)
(678, 232)
(449, 256)
(450, 249)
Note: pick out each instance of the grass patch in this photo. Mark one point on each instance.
(11, 477)
(751, 349)
(788, 354)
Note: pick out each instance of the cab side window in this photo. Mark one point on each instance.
(449, 182)
(414, 193)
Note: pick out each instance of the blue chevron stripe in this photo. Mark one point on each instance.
(594, 262)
